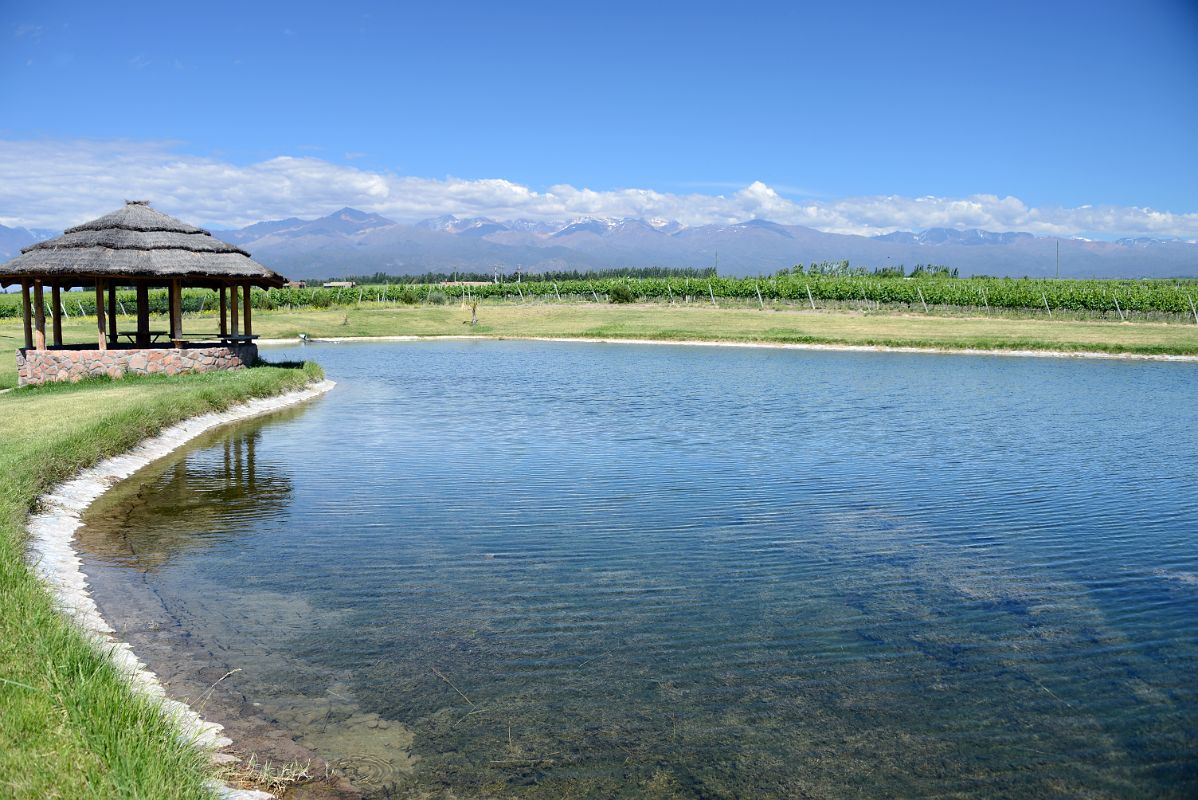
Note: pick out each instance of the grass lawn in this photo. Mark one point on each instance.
(697, 321)
(69, 727)
(660, 322)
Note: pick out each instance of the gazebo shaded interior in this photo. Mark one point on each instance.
(235, 312)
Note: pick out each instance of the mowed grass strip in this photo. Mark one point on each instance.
(698, 322)
(69, 726)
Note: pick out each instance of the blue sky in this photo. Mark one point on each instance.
(1059, 105)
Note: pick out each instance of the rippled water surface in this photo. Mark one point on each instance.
(484, 569)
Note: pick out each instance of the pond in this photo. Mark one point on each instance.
(535, 569)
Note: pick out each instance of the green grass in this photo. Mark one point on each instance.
(69, 726)
(698, 322)
(674, 323)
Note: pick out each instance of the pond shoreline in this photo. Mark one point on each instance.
(52, 557)
(487, 635)
(850, 348)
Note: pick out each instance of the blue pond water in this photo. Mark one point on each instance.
(551, 570)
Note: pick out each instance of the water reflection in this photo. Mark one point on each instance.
(218, 492)
(492, 576)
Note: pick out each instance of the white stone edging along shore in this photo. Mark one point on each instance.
(52, 557)
(850, 348)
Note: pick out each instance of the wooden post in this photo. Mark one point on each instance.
(760, 302)
(101, 340)
(56, 313)
(27, 315)
(1044, 297)
(39, 311)
(921, 300)
(233, 308)
(246, 301)
(810, 299)
(112, 332)
(176, 296)
(1193, 310)
(224, 312)
(1115, 297)
(143, 315)
(170, 311)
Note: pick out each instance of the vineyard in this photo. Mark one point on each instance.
(1109, 298)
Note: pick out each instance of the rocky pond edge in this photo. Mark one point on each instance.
(848, 348)
(52, 557)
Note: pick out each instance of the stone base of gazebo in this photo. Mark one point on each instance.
(74, 363)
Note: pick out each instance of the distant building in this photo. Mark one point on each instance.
(340, 285)
(297, 284)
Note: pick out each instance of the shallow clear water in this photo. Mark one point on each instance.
(551, 570)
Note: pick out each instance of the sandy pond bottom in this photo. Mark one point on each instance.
(530, 569)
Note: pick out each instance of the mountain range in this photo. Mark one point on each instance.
(353, 242)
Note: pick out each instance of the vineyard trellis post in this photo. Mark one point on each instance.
(760, 302)
(710, 292)
(810, 299)
(1044, 297)
(556, 292)
(985, 301)
(595, 295)
(921, 300)
(1115, 297)
(1192, 309)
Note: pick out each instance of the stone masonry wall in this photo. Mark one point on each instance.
(47, 366)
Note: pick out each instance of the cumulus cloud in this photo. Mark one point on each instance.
(57, 183)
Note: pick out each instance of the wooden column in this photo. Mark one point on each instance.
(176, 295)
(170, 311)
(102, 338)
(113, 338)
(233, 307)
(27, 315)
(224, 312)
(39, 312)
(56, 313)
(143, 315)
(247, 302)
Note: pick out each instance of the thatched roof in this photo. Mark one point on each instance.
(137, 242)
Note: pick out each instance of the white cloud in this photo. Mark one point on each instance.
(57, 183)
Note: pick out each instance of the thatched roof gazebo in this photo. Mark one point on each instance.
(140, 248)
